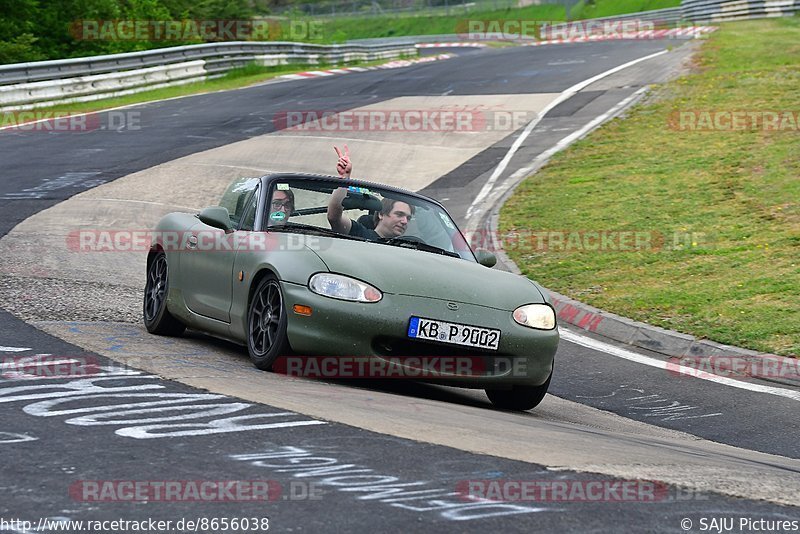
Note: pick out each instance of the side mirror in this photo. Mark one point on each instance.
(485, 257)
(218, 217)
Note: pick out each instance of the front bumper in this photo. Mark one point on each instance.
(379, 331)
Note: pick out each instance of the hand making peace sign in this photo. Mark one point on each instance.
(343, 166)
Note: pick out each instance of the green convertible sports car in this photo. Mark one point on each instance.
(322, 276)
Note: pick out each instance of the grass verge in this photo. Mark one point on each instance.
(609, 8)
(717, 211)
(455, 21)
(345, 28)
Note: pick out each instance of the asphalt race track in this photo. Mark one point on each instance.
(335, 455)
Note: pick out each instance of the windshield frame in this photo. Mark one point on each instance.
(269, 180)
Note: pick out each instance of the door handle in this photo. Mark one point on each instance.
(192, 242)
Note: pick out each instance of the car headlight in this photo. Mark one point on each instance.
(539, 316)
(342, 287)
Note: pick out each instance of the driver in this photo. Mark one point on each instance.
(391, 221)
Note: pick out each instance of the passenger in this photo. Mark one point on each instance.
(281, 206)
(391, 221)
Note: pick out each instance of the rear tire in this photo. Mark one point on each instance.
(266, 324)
(157, 318)
(519, 397)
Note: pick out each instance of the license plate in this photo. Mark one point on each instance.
(454, 333)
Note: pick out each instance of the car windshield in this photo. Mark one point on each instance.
(234, 199)
(301, 205)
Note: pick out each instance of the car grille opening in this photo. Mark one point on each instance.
(478, 362)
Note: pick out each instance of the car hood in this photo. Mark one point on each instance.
(412, 272)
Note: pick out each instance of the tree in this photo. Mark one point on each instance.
(32, 30)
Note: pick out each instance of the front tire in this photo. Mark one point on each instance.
(519, 397)
(266, 324)
(157, 318)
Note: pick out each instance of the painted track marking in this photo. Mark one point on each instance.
(566, 94)
(629, 355)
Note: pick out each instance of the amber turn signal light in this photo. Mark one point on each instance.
(299, 309)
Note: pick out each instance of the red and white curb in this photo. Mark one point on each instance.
(347, 70)
(673, 33)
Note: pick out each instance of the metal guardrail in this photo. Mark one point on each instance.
(237, 52)
(705, 11)
(45, 83)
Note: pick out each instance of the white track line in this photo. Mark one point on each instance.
(574, 136)
(673, 367)
(568, 93)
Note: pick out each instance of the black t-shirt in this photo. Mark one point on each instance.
(359, 230)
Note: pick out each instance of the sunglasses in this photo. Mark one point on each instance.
(278, 204)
